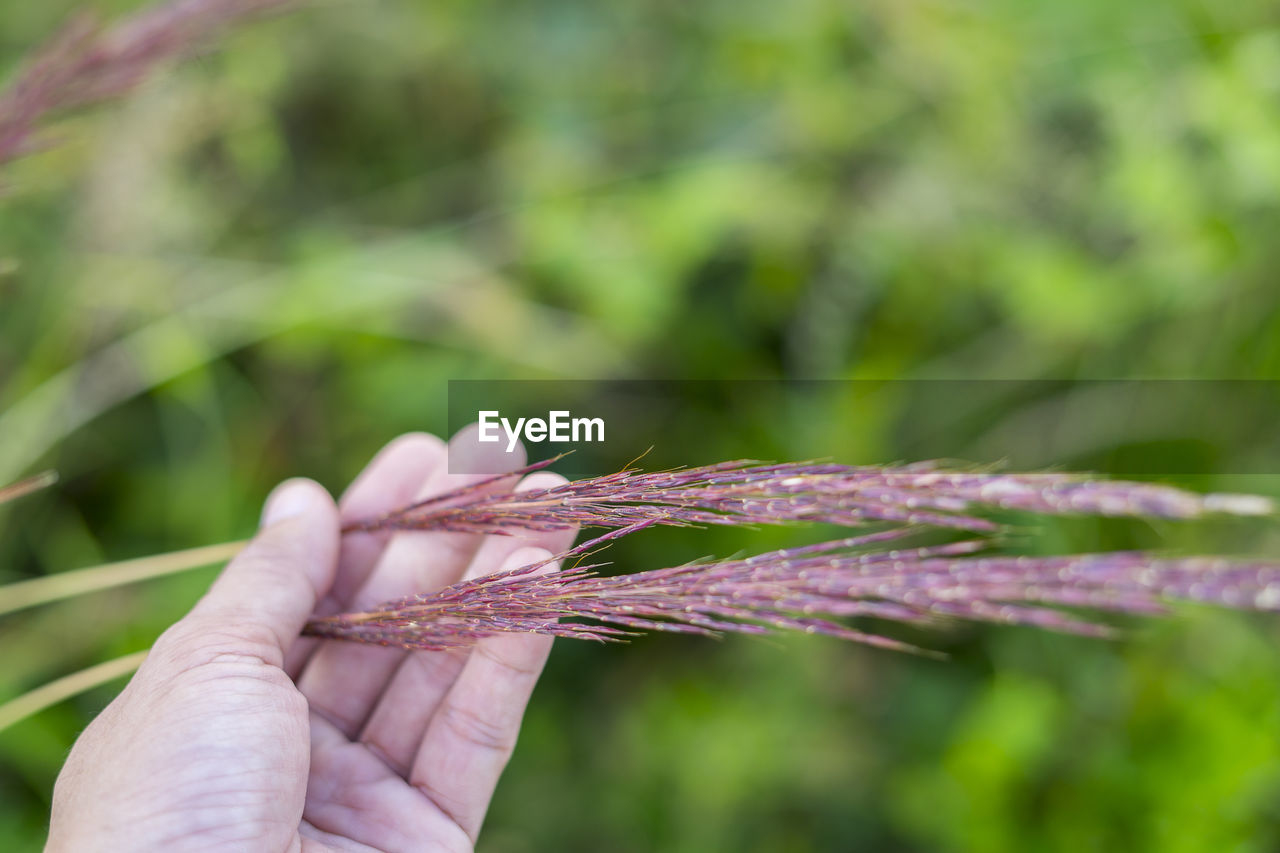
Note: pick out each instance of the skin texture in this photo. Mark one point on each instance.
(235, 734)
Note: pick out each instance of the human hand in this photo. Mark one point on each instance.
(235, 734)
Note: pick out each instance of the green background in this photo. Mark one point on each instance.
(270, 260)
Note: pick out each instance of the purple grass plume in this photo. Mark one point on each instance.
(812, 588)
(750, 493)
(86, 63)
(808, 589)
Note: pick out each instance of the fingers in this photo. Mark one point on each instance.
(391, 480)
(396, 726)
(343, 681)
(471, 736)
(264, 596)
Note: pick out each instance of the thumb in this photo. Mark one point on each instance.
(268, 591)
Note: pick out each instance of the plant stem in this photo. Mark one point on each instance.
(34, 701)
(23, 594)
(13, 491)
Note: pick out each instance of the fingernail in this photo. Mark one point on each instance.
(468, 455)
(289, 499)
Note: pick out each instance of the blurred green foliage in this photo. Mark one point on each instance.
(270, 261)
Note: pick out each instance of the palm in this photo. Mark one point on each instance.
(353, 791)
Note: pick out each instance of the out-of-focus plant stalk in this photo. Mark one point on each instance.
(13, 491)
(86, 63)
(47, 695)
(23, 594)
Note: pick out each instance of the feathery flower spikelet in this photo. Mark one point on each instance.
(806, 588)
(750, 493)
